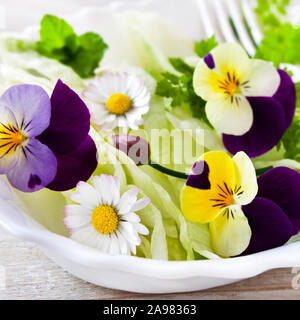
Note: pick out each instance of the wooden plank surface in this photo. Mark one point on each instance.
(31, 275)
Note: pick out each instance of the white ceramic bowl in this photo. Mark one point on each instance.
(143, 275)
(40, 216)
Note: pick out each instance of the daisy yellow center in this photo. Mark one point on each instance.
(229, 84)
(105, 219)
(118, 103)
(10, 139)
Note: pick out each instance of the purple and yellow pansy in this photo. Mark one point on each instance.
(250, 102)
(45, 142)
(215, 192)
(245, 215)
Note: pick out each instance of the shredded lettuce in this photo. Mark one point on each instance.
(171, 237)
(152, 41)
(29, 67)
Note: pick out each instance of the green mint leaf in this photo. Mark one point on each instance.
(91, 48)
(59, 41)
(203, 47)
(56, 34)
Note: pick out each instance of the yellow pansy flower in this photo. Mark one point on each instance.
(215, 192)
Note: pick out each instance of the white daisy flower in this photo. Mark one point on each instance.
(103, 219)
(117, 100)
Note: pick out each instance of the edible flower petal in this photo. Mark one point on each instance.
(215, 192)
(117, 100)
(105, 220)
(39, 138)
(70, 121)
(225, 79)
(76, 166)
(272, 116)
(274, 215)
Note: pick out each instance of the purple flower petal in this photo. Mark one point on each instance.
(35, 169)
(199, 176)
(270, 226)
(282, 186)
(75, 167)
(70, 121)
(286, 95)
(209, 60)
(267, 129)
(31, 107)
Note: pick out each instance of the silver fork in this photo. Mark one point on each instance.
(231, 21)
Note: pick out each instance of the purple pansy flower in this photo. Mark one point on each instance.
(250, 102)
(44, 142)
(274, 215)
(272, 117)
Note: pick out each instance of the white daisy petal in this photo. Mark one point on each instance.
(86, 235)
(140, 204)
(114, 245)
(105, 244)
(141, 229)
(116, 190)
(124, 249)
(86, 195)
(99, 114)
(103, 185)
(128, 232)
(110, 118)
(94, 95)
(76, 221)
(127, 200)
(102, 88)
(131, 217)
(75, 209)
(113, 230)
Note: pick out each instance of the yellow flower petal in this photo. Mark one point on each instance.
(221, 170)
(203, 206)
(196, 205)
(205, 82)
(230, 236)
(231, 70)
